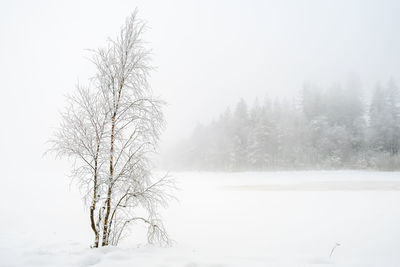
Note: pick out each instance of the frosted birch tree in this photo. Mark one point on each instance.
(111, 129)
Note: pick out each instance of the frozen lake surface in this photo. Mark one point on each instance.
(221, 219)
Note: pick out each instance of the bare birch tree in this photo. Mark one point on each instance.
(81, 137)
(111, 130)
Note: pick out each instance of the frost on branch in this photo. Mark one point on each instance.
(110, 129)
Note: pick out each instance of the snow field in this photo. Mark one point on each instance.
(221, 219)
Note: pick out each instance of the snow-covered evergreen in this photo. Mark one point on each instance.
(337, 127)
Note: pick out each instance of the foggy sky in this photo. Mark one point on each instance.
(208, 54)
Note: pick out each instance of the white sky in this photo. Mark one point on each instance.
(208, 54)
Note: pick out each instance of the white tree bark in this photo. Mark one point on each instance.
(111, 130)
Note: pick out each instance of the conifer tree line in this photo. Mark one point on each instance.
(323, 128)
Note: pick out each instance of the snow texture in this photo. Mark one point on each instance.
(222, 219)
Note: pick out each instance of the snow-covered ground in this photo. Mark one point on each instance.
(221, 219)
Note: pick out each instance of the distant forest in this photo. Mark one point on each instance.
(324, 128)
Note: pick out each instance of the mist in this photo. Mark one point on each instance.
(252, 133)
(207, 55)
(325, 128)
